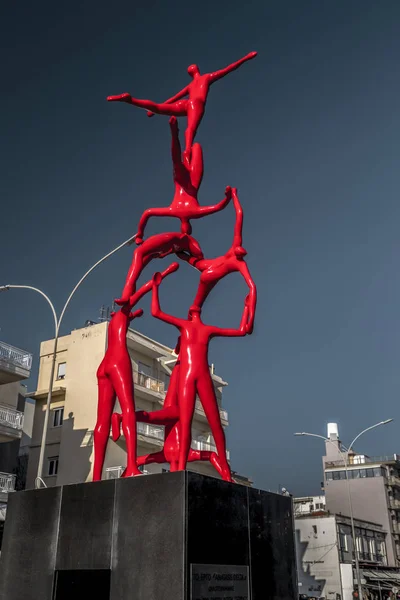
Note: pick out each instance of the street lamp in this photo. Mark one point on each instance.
(344, 458)
(57, 324)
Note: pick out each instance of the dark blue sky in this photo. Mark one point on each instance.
(309, 134)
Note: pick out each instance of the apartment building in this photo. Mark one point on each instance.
(15, 366)
(374, 485)
(69, 448)
(325, 550)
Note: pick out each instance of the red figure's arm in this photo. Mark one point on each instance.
(238, 230)
(155, 304)
(147, 286)
(208, 210)
(252, 295)
(216, 331)
(138, 313)
(222, 72)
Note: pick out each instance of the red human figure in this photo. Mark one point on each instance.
(157, 246)
(169, 417)
(188, 175)
(214, 269)
(115, 379)
(194, 106)
(195, 375)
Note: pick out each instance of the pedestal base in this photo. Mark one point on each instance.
(173, 536)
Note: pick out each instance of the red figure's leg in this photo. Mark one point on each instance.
(205, 456)
(147, 459)
(194, 248)
(210, 405)
(137, 265)
(102, 429)
(195, 112)
(187, 399)
(202, 292)
(196, 165)
(116, 421)
(159, 417)
(124, 389)
(177, 109)
(150, 212)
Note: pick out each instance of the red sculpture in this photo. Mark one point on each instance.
(191, 374)
(115, 379)
(169, 417)
(188, 175)
(214, 269)
(157, 246)
(194, 106)
(195, 374)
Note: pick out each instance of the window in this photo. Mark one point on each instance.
(329, 476)
(61, 370)
(58, 417)
(145, 369)
(53, 466)
(343, 542)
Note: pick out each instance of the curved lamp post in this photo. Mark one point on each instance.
(344, 456)
(57, 324)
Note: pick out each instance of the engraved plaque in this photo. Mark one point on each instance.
(219, 582)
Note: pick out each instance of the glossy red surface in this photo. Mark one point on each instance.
(195, 377)
(157, 246)
(215, 269)
(188, 174)
(115, 379)
(194, 106)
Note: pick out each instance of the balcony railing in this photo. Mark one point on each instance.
(200, 445)
(148, 382)
(363, 460)
(116, 472)
(15, 356)
(394, 503)
(11, 417)
(394, 481)
(7, 482)
(150, 431)
(199, 409)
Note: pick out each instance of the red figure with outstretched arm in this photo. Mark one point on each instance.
(193, 107)
(195, 375)
(214, 269)
(157, 246)
(187, 179)
(169, 417)
(115, 379)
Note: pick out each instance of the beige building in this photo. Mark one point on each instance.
(69, 448)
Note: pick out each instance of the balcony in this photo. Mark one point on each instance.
(358, 460)
(15, 364)
(207, 446)
(7, 482)
(151, 433)
(394, 503)
(149, 383)
(11, 422)
(223, 413)
(394, 481)
(116, 472)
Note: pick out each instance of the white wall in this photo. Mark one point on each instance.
(318, 566)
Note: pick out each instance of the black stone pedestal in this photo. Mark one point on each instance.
(173, 536)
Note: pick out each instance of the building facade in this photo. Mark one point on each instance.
(15, 366)
(375, 490)
(69, 448)
(325, 552)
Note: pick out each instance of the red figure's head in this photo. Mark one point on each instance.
(193, 70)
(240, 252)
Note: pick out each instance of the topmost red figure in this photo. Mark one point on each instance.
(194, 106)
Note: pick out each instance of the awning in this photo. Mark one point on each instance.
(382, 576)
